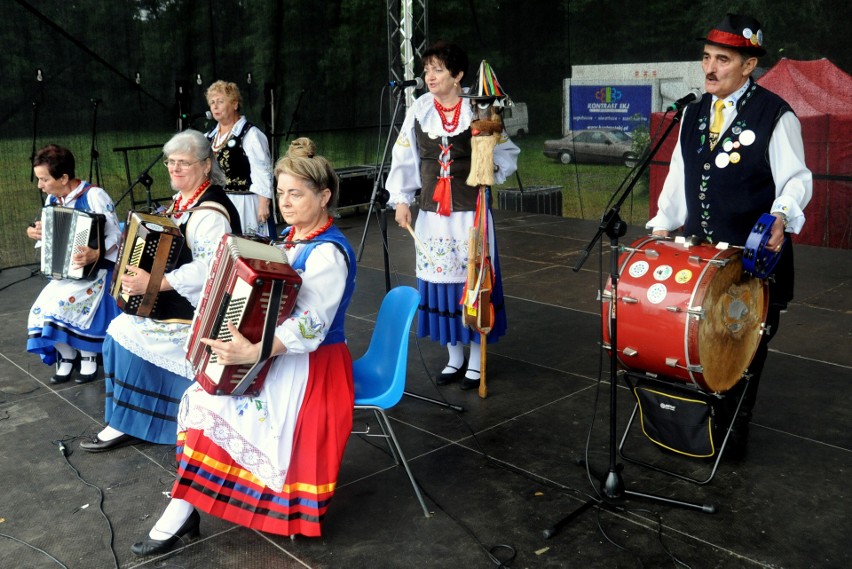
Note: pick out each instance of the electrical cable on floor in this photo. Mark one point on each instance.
(677, 561)
(33, 547)
(613, 542)
(63, 449)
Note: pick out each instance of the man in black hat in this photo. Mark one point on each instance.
(739, 155)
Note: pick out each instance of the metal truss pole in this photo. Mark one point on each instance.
(408, 33)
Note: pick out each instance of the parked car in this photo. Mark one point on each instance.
(607, 146)
(516, 120)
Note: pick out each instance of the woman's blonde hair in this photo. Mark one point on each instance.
(230, 90)
(303, 162)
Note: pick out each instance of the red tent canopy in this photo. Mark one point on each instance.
(821, 95)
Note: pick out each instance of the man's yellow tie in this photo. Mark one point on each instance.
(718, 119)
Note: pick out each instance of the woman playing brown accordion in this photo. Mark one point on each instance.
(144, 358)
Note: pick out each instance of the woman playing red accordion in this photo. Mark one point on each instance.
(270, 462)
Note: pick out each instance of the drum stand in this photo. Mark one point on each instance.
(728, 421)
(612, 491)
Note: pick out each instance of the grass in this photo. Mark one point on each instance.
(586, 188)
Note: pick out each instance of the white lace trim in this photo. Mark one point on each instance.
(169, 338)
(241, 450)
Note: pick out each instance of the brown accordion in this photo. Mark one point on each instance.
(251, 285)
(64, 229)
(154, 244)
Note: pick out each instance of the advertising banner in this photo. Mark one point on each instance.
(610, 106)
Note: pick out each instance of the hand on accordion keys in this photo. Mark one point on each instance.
(238, 350)
(134, 281)
(84, 256)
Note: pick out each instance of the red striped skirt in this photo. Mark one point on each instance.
(210, 479)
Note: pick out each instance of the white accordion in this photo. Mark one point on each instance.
(63, 230)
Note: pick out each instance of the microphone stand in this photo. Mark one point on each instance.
(33, 153)
(35, 130)
(379, 199)
(146, 180)
(612, 484)
(93, 152)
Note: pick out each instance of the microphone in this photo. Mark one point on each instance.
(691, 97)
(205, 115)
(417, 82)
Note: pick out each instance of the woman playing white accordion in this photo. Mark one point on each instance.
(68, 320)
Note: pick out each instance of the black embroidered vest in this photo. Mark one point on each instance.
(233, 160)
(464, 196)
(170, 302)
(728, 188)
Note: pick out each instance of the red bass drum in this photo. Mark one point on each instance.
(687, 313)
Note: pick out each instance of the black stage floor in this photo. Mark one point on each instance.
(495, 475)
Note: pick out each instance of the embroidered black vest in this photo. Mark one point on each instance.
(728, 188)
(233, 160)
(170, 302)
(464, 196)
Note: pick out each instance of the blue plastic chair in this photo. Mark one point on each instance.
(380, 373)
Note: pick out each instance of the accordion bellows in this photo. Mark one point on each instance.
(154, 244)
(64, 229)
(251, 285)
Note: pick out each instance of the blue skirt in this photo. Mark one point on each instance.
(141, 399)
(440, 316)
(41, 340)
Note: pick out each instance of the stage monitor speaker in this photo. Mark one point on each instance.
(356, 185)
(533, 199)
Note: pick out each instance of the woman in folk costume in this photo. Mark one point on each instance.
(270, 462)
(433, 153)
(70, 317)
(144, 358)
(242, 151)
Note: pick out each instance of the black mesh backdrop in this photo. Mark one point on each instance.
(320, 66)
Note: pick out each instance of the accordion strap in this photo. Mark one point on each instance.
(275, 295)
(212, 206)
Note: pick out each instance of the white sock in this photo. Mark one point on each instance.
(473, 362)
(67, 353)
(456, 358)
(174, 516)
(109, 434)
(88, 367)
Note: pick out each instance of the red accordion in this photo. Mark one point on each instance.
(251, 285)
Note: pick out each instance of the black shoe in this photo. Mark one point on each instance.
(57, 378)
(468, 383)
(187, 532)
(447, 378)
(87, 377)
(97, 445)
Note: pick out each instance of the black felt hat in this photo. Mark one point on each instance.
(742, 33)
